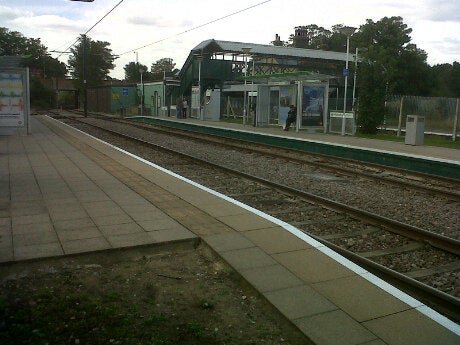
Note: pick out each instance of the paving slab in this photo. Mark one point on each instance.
(248, 258)
(312, 266)
(80, 234)
(334, 327)
(359, 298)
(84, 245)
(276, 240)
(228, 241)
(118, 202)
(246, 221)
(410, 328)
(37, 251)
(299, 301)
(270, 278)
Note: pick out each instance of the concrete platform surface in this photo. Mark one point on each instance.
(63, 192)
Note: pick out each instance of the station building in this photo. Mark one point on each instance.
(221, 79)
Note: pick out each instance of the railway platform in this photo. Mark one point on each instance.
(425, 159)
(64, 192)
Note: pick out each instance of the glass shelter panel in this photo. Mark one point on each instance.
(274, 105)
(313, 104)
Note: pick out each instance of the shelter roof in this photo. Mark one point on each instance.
(216, 46)
(289, 76)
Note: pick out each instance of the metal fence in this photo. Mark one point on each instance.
(441, 114)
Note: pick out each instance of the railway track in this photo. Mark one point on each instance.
(435, 212)
(434, 185)
(335, 224)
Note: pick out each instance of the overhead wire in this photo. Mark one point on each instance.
(196, 27)
(91, 28)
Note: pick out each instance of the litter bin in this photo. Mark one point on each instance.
(415, 128)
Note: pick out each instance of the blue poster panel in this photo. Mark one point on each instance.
(313, 105)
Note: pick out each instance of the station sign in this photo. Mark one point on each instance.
(342, 115)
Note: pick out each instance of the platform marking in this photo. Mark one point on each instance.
(395, 292)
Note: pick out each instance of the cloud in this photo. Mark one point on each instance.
(160, 22)
(50, 23)
(8, 14)
(443, 10)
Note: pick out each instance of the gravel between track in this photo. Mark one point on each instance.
(432, 213)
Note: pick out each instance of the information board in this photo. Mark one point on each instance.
(11, 99)
(195, 101)
(14, 99)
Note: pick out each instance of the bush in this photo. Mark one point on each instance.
(40, 96)
(371, 107)
(371, 111)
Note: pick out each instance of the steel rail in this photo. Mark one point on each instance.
(452, 194)
(441, 301)
(230, 142)
(436, 240)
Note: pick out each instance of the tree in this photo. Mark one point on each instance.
(371, 105)
(163, 65)
(446, 79)
(392, 66)
(388, 44)
(454, 80)
(316, 37)
(36, 57)
(35, 54)
(12, 42)
(132, 73)
(99, 61)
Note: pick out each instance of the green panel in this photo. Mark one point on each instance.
(149, 91)
(216, 69)
(121, 100)
(387, 159)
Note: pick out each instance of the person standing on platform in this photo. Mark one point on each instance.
(184, 108)
(179, 107)
(292, 116)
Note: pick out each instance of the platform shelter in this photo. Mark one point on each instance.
(307, 91)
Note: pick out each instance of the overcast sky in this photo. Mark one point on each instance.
(134, 23)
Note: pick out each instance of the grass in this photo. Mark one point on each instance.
(430, 140)
(232, 120)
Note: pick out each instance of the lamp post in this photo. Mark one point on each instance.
(348, 31)
(254, 122)
(199, 59)
(85, 85)
(246, 51)
(141, 71)
(85, 89)
(355, 75)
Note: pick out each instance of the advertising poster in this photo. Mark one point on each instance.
(285, 102)
(12, 100)
(313, 105)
